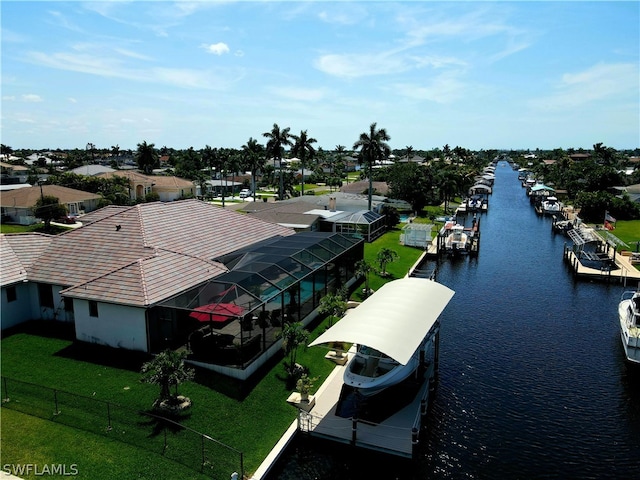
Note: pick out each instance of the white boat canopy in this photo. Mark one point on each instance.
(394, 320)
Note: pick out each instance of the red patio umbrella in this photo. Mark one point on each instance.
(216, 312)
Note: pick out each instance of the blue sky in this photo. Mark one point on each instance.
(184, 74)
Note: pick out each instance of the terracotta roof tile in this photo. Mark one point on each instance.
(144, 253)
(148, 281)
(18, 252)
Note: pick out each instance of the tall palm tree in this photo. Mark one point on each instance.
(409, 152)
(448, 181)
(115, 151)
(253, 160)
(303, 148)
(147, 157)
(278, 139)
(372, 147)
(341, 152)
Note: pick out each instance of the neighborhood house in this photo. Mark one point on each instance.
(183, 274)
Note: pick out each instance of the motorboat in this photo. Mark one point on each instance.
(551, 205)
(371, 371)
(456, 240)
(474, 203)
(629, 313)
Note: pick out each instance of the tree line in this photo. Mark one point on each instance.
(421, 178)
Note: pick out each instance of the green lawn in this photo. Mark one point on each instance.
(629, 232)
(250, 421)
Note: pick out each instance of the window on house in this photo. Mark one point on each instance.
(93, 308)
(12, 294)
(45, 292)
(68, 305)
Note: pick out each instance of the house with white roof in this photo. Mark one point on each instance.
(183, 274)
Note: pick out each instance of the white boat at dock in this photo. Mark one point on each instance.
(629, 313)
(456, 240)
(392, 330)
(371, 371)
(551, 206)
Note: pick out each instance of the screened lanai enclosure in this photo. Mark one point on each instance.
(232, 323)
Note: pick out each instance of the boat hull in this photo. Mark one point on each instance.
(629, 331)
(364, 376)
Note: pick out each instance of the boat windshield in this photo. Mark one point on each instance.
(371, 352)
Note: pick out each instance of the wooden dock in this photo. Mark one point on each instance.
(396, 435)
(626, 271)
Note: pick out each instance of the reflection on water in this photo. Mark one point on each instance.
(532, 380)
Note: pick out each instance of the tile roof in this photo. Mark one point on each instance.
(18, 252)
(147, 281)
(158, 180)
(27, 197)
(122, 245)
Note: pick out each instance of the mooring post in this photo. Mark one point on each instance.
(354, 430)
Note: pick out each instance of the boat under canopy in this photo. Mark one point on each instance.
(394, 320)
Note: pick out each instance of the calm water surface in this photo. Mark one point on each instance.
(532, 377)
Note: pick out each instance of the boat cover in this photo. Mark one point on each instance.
(540, 186)
(394, 320)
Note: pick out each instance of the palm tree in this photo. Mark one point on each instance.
(385, 256)
(372, 147)
(293, 335)
(253, 160)
(278, 139)
(147, 157)
(115, 150)
(363, 269)
(409, 152)
(448, 181)
(166, 369)
(303, 149)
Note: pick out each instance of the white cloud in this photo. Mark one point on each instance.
(72, 100)
(444, 88)
(299, 94)
(598, 82)
(353, 65)
(217, 48)
(31, 98)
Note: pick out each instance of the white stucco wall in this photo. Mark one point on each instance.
(18, 311)
(115, 326)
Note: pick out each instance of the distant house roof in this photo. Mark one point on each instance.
(144, 253)
(361, 186)
(579, 156)
(27, 197)
(91, 170)
(15, 168)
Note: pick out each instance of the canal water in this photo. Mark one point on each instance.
(532, 381)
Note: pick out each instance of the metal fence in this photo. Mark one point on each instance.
(146, 430)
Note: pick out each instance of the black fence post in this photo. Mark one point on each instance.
(203, 453)
(109, 416)
(55, 400)
(164, 449)
(6, 392)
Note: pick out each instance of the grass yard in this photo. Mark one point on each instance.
(250, 421)
(629, 232)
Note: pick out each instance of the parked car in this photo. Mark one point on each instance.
(245, 192)
(67, 220)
